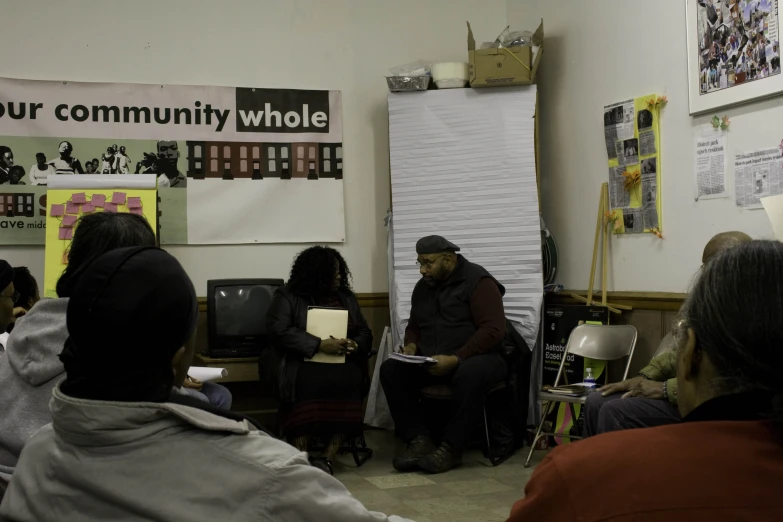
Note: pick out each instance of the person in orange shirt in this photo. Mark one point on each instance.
(724, 461)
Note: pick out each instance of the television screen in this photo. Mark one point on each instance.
(240, 310)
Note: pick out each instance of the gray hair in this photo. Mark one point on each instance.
(735, 310)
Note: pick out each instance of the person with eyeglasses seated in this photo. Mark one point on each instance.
(122, 446)
(456, 318)
(724, 461)
(649, 399)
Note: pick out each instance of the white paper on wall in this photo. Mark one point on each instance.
(463, 166)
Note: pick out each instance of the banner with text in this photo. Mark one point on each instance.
(234, 165)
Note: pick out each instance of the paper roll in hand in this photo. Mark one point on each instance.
(205, 374)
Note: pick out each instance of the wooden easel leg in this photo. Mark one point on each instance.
(598, 225)
(605, 198)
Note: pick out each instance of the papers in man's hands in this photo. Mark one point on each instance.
(412, 359)
(325, 323)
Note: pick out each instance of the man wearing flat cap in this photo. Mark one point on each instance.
(7, 299)
(457, 319)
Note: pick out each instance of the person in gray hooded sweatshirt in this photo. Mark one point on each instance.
(30, 367)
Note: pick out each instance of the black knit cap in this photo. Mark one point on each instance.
(435, 245)
(129, 313)
(6, 274)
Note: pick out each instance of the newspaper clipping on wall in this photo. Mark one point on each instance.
(632, 136)
(757, 175)
(649, 198)
(618, 127)
(618, 196)
(710, 166)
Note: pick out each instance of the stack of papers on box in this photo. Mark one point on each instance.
(412, 359)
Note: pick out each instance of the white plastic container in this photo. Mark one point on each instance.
(450, 75)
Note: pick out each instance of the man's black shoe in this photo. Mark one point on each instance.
(441, 460)
(417, 448)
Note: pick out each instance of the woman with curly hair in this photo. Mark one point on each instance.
(321, 403)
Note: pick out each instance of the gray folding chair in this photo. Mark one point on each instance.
(604, 343)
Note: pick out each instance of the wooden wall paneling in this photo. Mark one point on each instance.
(668, 321)
(648, 327)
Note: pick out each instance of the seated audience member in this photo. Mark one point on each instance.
(724, 461)
(27, 290)
(321, 402)
(457, 319)
(649, 399)
(7, 300)
(121, 446)
(30, 368)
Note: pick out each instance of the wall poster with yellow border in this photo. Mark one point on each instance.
(64, 208)
(632, 136)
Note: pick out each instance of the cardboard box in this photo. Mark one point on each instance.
(504, 67)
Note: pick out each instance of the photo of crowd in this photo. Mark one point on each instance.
(738, 42)
(163, 162)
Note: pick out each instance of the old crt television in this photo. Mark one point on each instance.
(236, 313)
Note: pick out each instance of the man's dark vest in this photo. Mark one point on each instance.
(443, 312)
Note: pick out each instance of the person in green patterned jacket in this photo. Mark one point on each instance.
(650, 398)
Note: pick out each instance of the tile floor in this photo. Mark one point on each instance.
(474, 492)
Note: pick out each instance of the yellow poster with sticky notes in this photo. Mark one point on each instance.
(632, 132)
(64, 209)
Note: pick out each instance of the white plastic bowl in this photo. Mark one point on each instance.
(450, 75)
(451, 83)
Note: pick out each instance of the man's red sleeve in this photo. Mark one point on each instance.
(545, 496)
(486, 307)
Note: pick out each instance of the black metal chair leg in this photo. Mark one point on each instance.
(495, 461)
(360, 452)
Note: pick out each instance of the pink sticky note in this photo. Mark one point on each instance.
(87, 208)
(66, 233)
(110, 207)
(98, 200)
(57, 210)
(118, 198)
(69, 221)
(79, 198)
(138, 211)
(134, 202)
(71, 208)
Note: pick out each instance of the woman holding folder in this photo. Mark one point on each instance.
(320, 403)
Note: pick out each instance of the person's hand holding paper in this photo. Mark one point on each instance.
(333, 346)
(331, 326)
